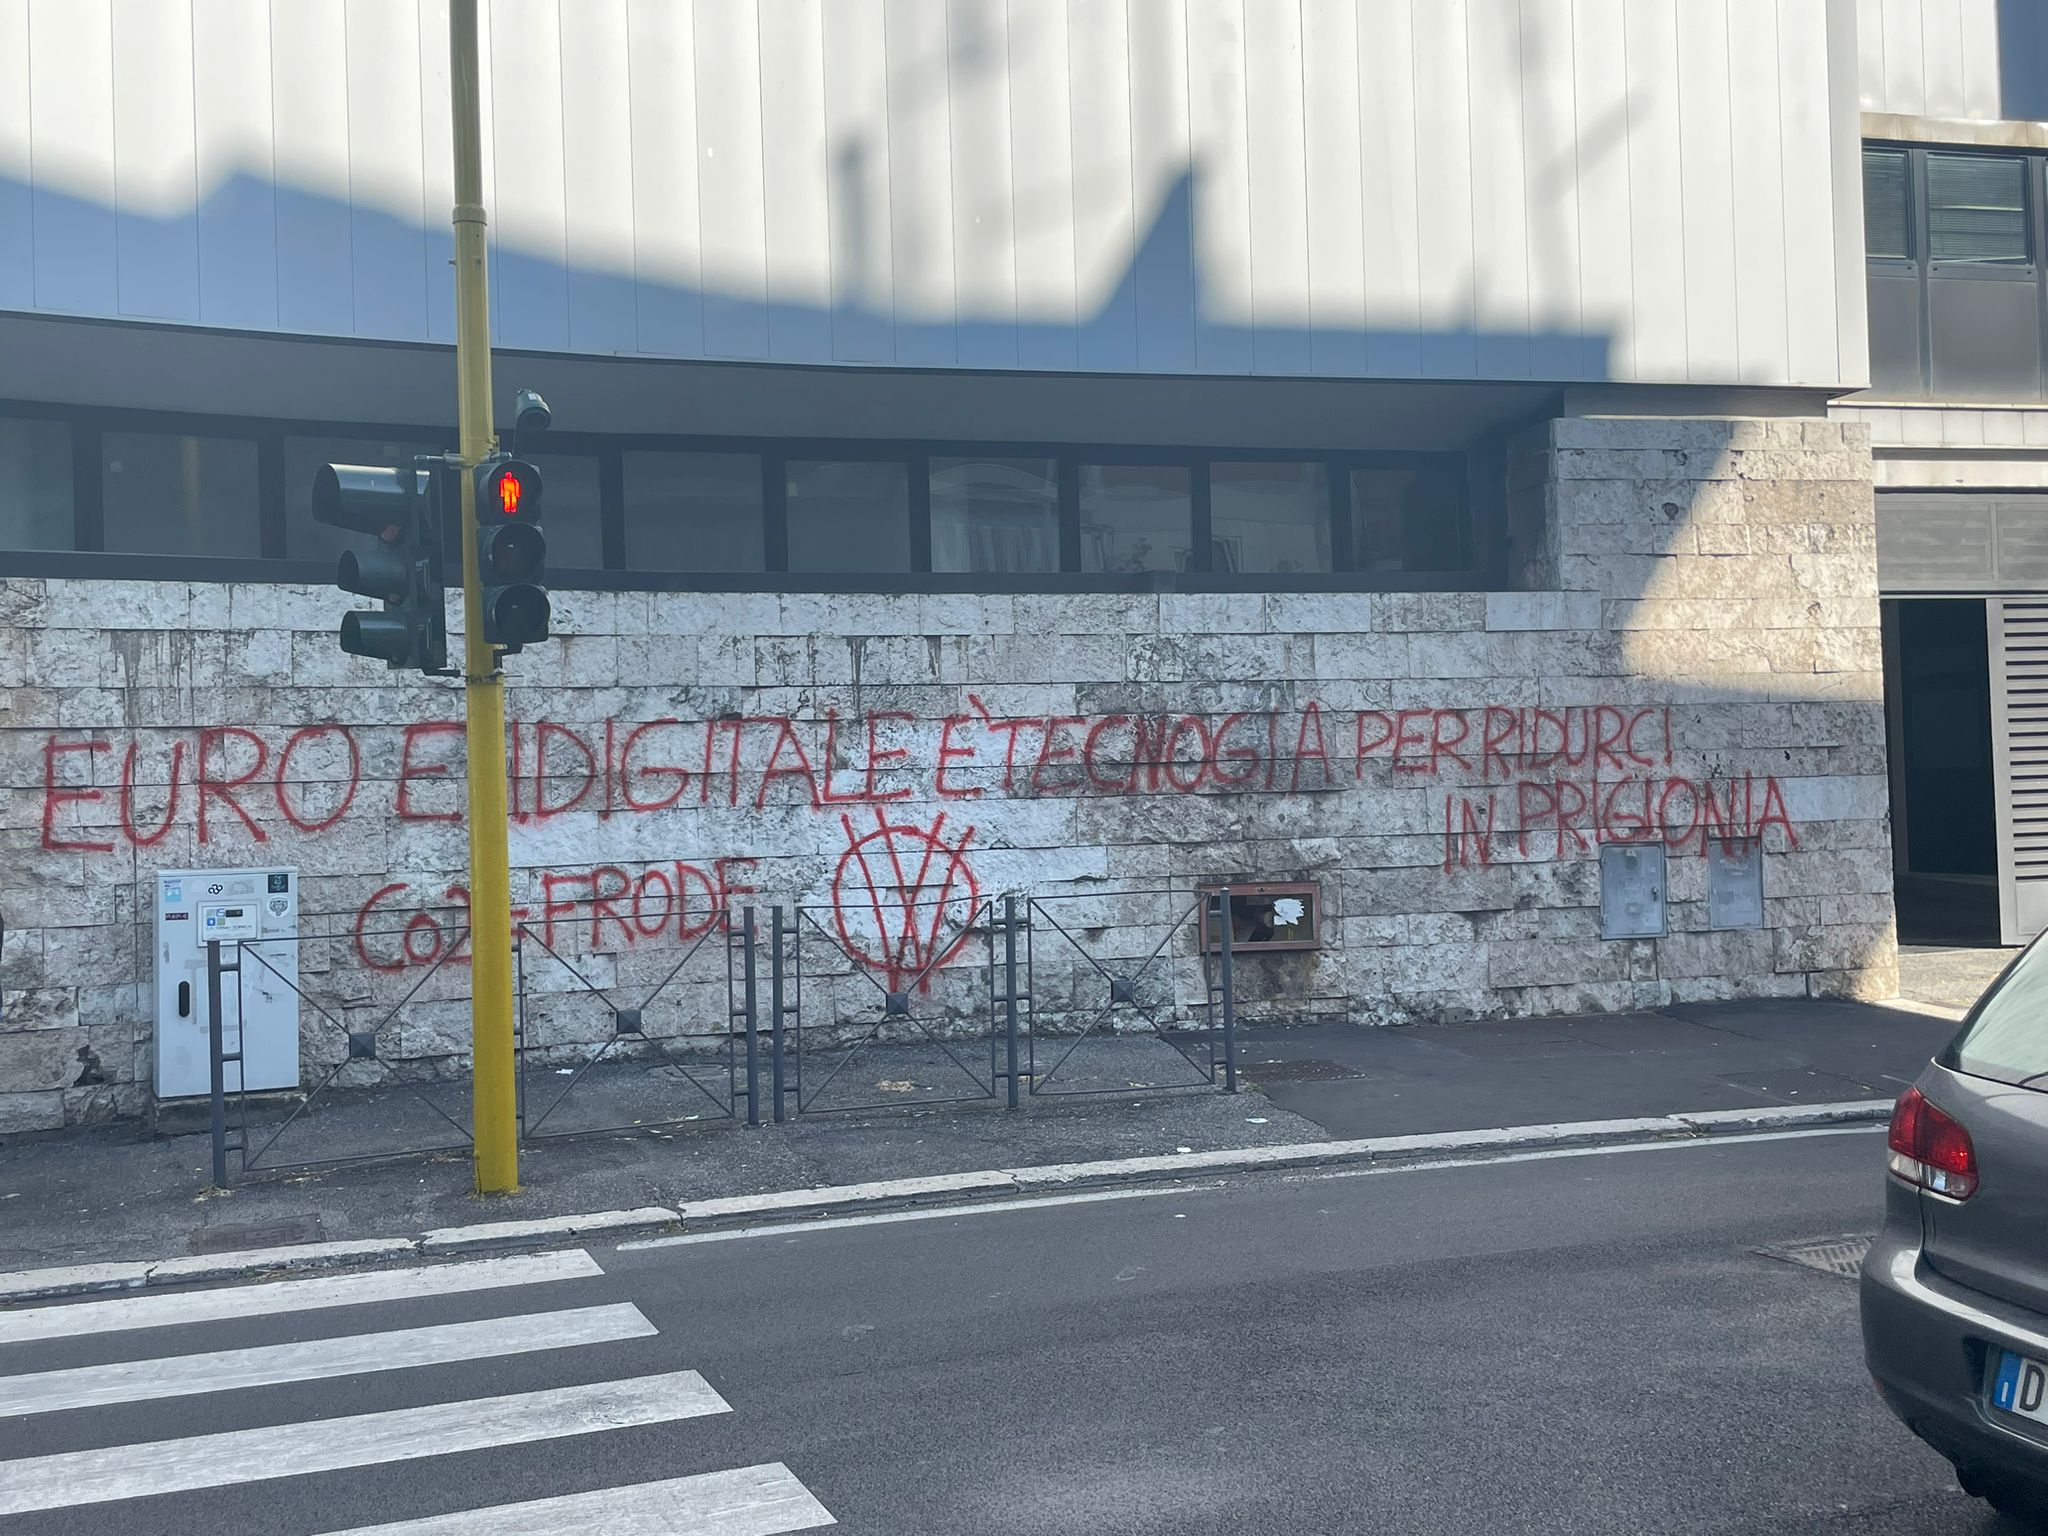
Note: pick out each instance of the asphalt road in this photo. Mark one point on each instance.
(1574, 1344)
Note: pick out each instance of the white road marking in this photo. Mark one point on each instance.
(226, 1370)
(886, 1218)
(1215, 1185)
(174, 1308)
(72, 1478)
(749, 1501)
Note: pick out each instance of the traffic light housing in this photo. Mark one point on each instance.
(402, 510)
(512, 553)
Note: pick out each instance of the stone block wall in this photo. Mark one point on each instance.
(1697, 657)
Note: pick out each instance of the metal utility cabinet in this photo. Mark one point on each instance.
(256, 910)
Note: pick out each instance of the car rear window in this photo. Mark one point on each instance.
(2005, 1037)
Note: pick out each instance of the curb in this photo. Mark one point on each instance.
(738, 1210)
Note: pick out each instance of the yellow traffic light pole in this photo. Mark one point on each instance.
(494, 1119)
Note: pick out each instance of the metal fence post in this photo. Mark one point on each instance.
(1229, 992)
(215, 1042)
(775, 1005)
(751, 1001)
(1010, 993)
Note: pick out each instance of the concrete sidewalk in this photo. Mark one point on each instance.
(113, 1193)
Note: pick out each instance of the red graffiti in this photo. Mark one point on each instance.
(1560, 818)
(1545, 782)
(903, 898)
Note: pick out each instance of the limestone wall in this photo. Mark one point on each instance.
(1703, 661)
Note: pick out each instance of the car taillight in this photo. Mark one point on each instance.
(1930, 1149)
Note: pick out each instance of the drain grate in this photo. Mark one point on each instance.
(1311, 1071)
(1830, 1255)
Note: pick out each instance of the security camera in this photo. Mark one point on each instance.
(530, 418)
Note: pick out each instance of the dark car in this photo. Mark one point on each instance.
(1955, 1290)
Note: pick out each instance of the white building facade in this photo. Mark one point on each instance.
(1398, 450)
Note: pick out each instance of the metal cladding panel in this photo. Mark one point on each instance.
(1979, 60)
(1492, 189)
(2019, 749)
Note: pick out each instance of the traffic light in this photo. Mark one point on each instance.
(511, 553)
(402, 510)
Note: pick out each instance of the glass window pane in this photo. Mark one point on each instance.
(2007, 1040)
(35, 484)
(848, 515)
(1885, 225)
(165, 494)
(1411, 519)
(1269, 517)
(694, 512)
(997, 515)
(570, 498)
(305, 539)
(1136, 517)
(1977, 208)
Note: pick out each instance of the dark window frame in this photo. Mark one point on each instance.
(1485, 567)
(1920, 264)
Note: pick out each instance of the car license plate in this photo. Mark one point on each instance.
(2021, 1386)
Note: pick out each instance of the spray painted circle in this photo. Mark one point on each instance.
(904, 898)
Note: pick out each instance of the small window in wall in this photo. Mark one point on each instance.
(1887, 221)
(305, 539)
(1136, 517)
(1269, 518)
(848, 515)
(694, 512)
(1000, 516)
(35, 484)
(1266, 916)
(170, 494)
(570, 509)
(1411, 519)
(1977, 209)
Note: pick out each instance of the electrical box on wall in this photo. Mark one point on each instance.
(1735, 882)
(1632, 891)
(259, 1008)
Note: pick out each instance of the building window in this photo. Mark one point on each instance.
(1977, 209)
(571, 509)
(1953, 284)
(1136, 517)
(1411, 519)
(626, 512)
(1000, 516)
(171, 494)
(36, 509)
(848, 515)
(1269, 518)
(1887, 218)
(694, 512)
(305, 539)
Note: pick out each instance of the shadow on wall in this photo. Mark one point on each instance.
(2023, 60)
(364, 273)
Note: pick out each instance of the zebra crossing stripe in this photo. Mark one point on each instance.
(131, 1381)
(69, 1479)
(748, 1501)
(174, 1308)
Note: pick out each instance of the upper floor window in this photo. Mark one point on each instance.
(1977, 208)
(1954, 283)
(1887, 213)
(174, 493)
(675, 511)
(36, 506)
